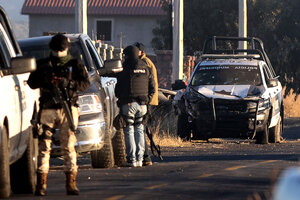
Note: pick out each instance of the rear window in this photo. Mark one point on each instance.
(43, 51)
(226, 75)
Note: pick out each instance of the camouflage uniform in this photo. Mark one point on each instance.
(51, 117)
(62, 72)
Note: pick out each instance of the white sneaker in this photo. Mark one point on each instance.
(139, 163)
(127, 164)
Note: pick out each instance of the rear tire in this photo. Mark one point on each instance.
(275, 132)
(4, 165)
(23, 172)
(119, 147)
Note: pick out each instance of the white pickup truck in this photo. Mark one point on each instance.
(18, 104)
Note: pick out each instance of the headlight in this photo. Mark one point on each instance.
(263, 104)
(89, 104)
(193, 96)
(251, 106)
(193, 100)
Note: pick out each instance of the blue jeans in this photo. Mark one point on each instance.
(134, 131)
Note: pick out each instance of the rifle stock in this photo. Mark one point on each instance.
(153, 144)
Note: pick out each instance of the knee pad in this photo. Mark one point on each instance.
(43, 134)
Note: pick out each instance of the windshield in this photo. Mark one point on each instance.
(226, 75)
(43, 51)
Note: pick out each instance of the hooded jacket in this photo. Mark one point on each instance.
(135, 83)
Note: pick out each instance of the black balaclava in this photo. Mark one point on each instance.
(131, 56)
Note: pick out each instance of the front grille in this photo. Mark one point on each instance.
(223, 114)
(234, 108)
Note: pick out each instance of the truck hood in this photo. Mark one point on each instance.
(229, 91)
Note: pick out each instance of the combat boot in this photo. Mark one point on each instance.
(41, 185)
(71, 183)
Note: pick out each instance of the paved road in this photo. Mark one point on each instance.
(220, 169)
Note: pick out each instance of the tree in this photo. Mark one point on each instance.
(277, 23)
(204, 18)
(198, 17)
(163, 37)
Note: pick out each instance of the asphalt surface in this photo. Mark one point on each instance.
(221, 169)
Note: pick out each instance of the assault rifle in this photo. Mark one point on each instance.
(153, 145)
(62, 98)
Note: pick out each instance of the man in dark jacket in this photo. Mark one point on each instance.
(58, 71)
(154, 102)
(134, 89)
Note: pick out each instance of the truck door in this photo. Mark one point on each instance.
(275, 95)
(11, 97)
(27, 97)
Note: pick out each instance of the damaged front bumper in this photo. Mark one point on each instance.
(233, 118)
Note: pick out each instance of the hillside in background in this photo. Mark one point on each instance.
(19, 22)
(21, 29)
(13, 9)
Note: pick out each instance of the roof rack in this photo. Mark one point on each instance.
(256, 47)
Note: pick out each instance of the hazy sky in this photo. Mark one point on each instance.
(13, 9)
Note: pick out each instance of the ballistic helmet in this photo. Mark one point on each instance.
(59, 42)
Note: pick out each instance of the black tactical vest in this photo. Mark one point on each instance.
(139, 82)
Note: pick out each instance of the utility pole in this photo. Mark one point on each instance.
(81, 16)
(177, 23)
(242, 23)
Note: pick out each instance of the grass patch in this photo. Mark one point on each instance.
(291, 104)
(165, 139)
(165, 133)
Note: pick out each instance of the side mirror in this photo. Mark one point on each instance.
(273, 82)
(20, 65)
(178, 85)
(111, 67)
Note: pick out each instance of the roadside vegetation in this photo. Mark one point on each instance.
(291, 105)
(167, 139)
(163, 126)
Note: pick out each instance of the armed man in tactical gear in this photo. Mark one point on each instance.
(59, 77)
(134, 89)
